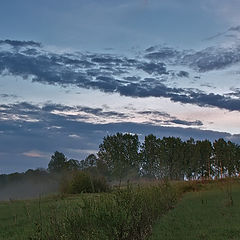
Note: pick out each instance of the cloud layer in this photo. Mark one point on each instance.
(144, 76)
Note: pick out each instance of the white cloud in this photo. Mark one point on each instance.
(74, 136)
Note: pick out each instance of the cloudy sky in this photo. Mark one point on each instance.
(73, 71)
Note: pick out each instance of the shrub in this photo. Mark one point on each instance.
(83, 182)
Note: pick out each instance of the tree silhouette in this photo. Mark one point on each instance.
(120, 154)
(58, 162)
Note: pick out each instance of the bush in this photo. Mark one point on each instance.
(83, 182)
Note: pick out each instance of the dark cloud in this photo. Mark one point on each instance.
(235, 92)
(225, 33)
(107, 60)
(212, 58)
(236, 28)
(5, 95)
(52, 114)
(111, 73)
(155, 113)
(180, 95)
(166, 118)
(183, 74)
(208, 59)
(161, 53)
(153, 68)
(187, 123)
(28, 112)
(16, 43)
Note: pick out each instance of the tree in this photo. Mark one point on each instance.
(72, 165)
(237, 160)
(220, 155)
(58, 162)
(231, 161)
(190, 164)
(90, 161)
(120, 153)
(172, 155)
(205, 158)
(150, 157)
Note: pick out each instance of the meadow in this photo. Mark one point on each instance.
(210, 214)
(126, 213)
(176, 210)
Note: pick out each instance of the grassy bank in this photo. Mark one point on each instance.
(121, 214)
(211, 214)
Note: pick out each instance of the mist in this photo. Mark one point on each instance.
(27, 190)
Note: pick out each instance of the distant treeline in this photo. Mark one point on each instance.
(31, 184)
(123, 157)
(168, 157)
(35, 176)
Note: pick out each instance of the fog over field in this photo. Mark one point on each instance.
(27, 190)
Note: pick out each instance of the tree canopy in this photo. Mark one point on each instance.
(121, 156)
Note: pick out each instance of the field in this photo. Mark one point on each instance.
(21, 219)
(126, 213)
(212, 214)
(205, 211)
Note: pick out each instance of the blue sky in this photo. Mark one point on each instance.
(74, 71)
(103, 24)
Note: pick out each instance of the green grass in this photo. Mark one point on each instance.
(20, 219)
(123, 214)
(204, 215)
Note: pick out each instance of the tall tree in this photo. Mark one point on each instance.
(190, 163)
(220, 156)
(205, 158)
(58, 162)
(237, 160)
(120, 154)
(171, 152)
(150, 157)
(231, 161)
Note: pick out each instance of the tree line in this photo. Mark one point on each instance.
(122, 156)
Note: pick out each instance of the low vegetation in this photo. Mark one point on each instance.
(206, 210)
(83, 182)
(212, 214)
(124, 213)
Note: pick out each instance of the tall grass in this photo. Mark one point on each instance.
(124, 214)
(211, 214)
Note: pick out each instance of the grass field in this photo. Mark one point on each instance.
(213, 214)
(20, 219)
(123, 214)
(210, 212)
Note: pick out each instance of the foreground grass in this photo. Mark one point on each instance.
(20, 219)
(213, 214)
(211, 211)
(123, 214)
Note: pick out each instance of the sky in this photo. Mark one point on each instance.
(75, 71)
